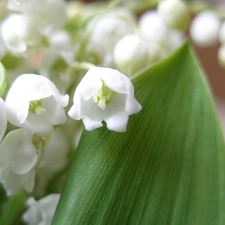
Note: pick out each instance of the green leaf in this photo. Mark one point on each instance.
(167, 169)
(3, 79)
(12, 208)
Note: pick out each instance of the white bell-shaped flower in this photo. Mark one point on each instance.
(20, 154)
(60, 47)
(204, 29)
(19, 33)
(153, 29)
(41, 212)
(105, 32)
(104, 94)
(3, 118)
(132, 54)
(34, 102)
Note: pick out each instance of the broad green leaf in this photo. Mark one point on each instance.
(3, 79)
(167, 169)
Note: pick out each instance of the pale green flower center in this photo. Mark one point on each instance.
(103, 96)
(36, 107)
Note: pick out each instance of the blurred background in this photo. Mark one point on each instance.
(208, 59)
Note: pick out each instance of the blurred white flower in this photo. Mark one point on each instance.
(55, 159)
(60, 46)
(105, 32)
(47, 14)
(42, 211)
(204, 29)
(55, 156)
(153, 29)
(132, 54)
(104, 94)
(34, 102)
(19, 5)
(19, 33)
(3, 118)
(20, 154)
(174, 13)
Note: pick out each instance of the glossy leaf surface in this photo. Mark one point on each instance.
(167, 169)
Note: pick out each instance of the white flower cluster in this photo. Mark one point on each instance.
(33, 40)
(34, 104)
(119, 41)
(86, 54)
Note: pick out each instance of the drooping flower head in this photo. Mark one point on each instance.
(34, 102)
(41, 212)
(19, 33)
(20, 154)
(106, 95)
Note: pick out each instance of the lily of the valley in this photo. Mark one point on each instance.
(34, 102)
(19, 33)
(47, 14)
(20, 154)
(106, 95)
(132, 54)
(41, 212)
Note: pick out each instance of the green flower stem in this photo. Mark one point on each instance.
(12, 208)
(3, 79)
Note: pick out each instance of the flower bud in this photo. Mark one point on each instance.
(204, 29)
(174, 14)
(152, 27)
(105, 31)
(132, 54)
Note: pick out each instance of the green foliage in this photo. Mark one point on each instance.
(12, 209)
(167, 169)
(3, 79)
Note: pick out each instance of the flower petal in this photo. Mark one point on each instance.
(132, 105)
(33, 214)
(117, 122)
(19, 151)
(91, 124)
(12, 183)
(90, 84)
